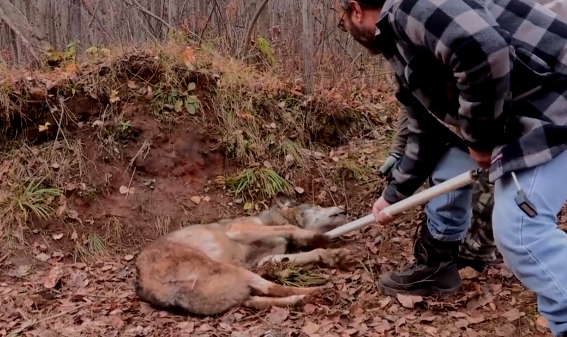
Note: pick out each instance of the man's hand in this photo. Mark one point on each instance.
(381, 218)
(482, 159)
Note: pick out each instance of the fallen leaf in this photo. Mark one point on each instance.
(311, 328)
(186, 327)
(205, 327)
(71, 186)
(430, 330)
(383, 327)
(278, 315)
(42, 257)
(44, 127)
(114, 96)
(505, 330)
(188, 56)
(124, 189)
(128, 257)
(196, 199)
(299, 190)
(53, 277)
(309, 308)
(116, 322)
(409, 301)
(468, 273)
(461, 323)
(385, 301)
(57, 236)
(72, 214)
(150, 93)
(512, 315)
(475, 318)
(77, 280)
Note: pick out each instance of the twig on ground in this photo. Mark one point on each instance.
(130, 183)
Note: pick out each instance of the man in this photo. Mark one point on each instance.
(494, 73)
(477, 249)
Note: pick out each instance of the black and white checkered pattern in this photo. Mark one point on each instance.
(493, 71)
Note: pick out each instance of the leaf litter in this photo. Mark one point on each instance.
(97, 299)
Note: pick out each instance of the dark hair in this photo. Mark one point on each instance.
(373, 4)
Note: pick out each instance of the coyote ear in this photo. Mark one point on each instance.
(283, 201)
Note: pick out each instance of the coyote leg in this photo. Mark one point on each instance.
(261, 302)
(248, 232)
(328, 257)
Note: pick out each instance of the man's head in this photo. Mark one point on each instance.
(358, 17)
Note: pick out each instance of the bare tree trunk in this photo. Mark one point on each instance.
(75, 24)
(21, 28)
(251, 25)
(307, 47)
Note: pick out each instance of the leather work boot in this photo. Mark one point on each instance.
(434, 272)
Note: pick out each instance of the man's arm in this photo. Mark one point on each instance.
(398, 146)
(467, 39)
(401, 136)
(426, 143)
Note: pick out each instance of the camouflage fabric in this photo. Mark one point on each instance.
(478, 244)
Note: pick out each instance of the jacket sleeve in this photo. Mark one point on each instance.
(466, 39)
(401, 136)
(426, 144)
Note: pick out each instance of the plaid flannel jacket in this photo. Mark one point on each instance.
(492, 71)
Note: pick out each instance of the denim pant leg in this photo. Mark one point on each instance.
(449, 215)
(535, 249)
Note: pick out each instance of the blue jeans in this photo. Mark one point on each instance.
(533, 248)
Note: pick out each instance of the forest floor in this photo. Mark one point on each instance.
(103, 157)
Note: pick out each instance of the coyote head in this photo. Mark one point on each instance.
(320, 219)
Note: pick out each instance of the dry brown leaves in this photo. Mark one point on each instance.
(46, 296)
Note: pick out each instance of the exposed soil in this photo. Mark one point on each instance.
(155, 177)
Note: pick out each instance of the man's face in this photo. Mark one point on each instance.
(360, 24)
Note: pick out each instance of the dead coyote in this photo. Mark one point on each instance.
(205, 269)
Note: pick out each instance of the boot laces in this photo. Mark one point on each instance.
(419, 252)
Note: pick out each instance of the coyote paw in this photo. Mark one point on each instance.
(319, 241)
(311, 291)
(299, 299)
(339, 258)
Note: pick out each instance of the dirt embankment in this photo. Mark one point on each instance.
(108, 154)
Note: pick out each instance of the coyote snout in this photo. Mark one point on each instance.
(205, 269)
(312, 217)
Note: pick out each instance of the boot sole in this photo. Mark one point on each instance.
(419, 292)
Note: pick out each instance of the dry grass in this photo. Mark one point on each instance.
(33, 182)
(262, 182)
(290, 275)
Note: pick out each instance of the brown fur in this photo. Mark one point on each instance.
(205, 269)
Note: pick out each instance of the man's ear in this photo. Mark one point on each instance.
(356, 11)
